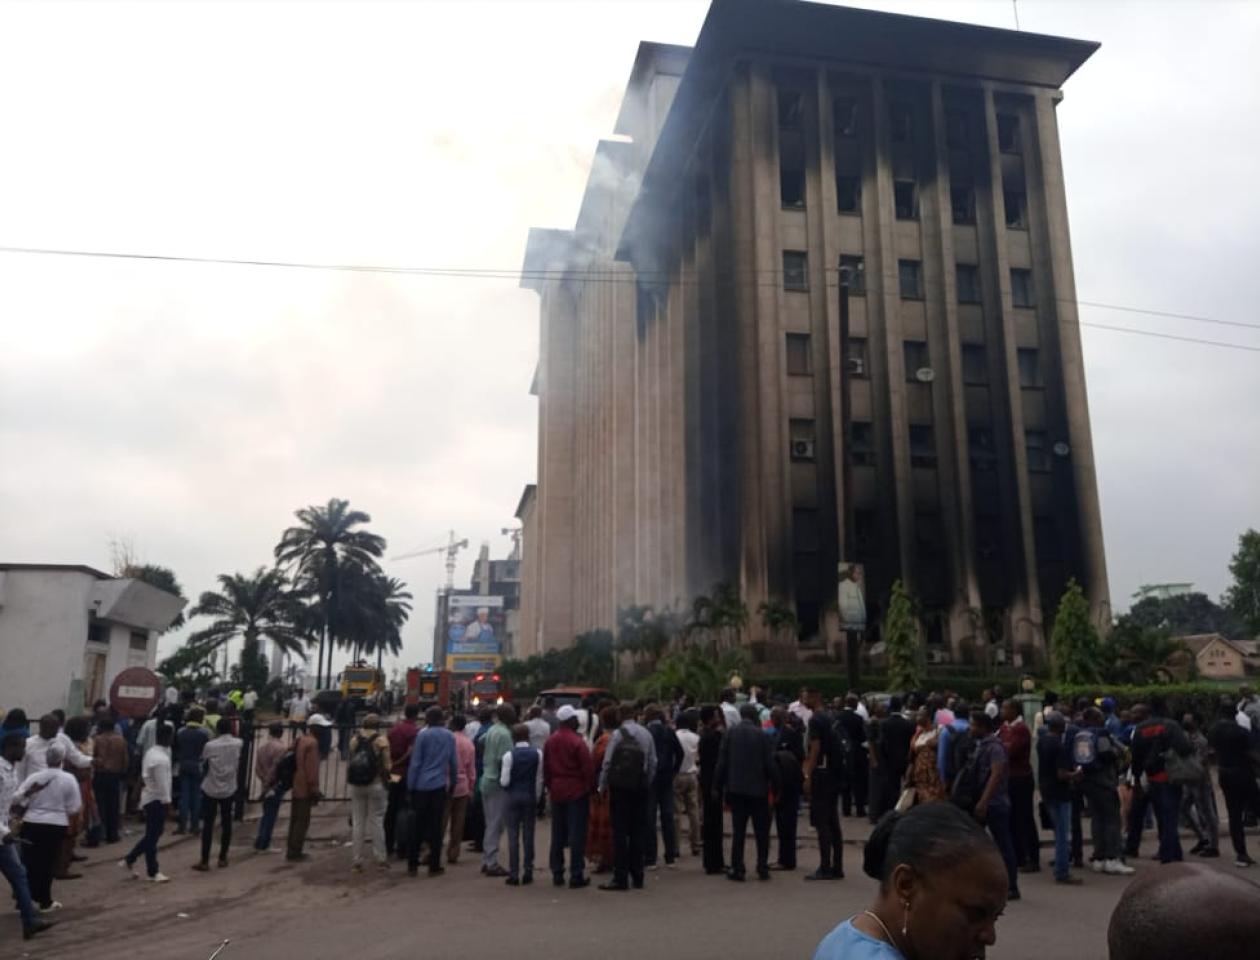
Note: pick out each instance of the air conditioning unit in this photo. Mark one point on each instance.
(857, 366)
(938, 656)
(802, 449)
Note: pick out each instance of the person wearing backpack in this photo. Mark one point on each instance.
(789, 754)
(1097, 755)
(988, 771)
(629, 767)
(368, 776)
(1153, 741)
(669, 758)
(1057, 773)
(824, 772)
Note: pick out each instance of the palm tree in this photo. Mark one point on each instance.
(323, 546)
(251, 607)
(388, 608)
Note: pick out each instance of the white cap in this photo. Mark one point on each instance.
(566, 713)
(318, 720)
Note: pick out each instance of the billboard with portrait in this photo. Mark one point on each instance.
(851, 596)
(474, 626)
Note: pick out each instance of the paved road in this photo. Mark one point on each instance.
(273, 910)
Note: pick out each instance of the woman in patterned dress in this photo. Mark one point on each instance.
(922, 773)
(599, 840)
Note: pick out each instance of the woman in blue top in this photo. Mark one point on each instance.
(942, 887)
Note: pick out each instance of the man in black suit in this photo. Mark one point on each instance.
(890, 754)
(746, 773)
(854, 790)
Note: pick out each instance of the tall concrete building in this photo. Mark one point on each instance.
(690, 378)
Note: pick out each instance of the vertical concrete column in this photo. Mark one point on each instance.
(1071, 358)
(622, 462)
(949, 396)
(1026, 610)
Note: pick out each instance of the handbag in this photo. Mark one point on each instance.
(906, 800)
(1183, 770)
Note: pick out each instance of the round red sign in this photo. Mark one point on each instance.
(135, 692)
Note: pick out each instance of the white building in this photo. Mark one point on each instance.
(66, 631)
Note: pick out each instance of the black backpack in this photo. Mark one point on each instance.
(286, 770)
(626, 768)
(365, 763)
(964, 762)
(839, 746)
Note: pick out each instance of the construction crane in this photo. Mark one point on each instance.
(451, 548)
(515, 534)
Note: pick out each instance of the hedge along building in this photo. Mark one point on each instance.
(689, 377)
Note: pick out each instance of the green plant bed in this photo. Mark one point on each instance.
(1199, 698)
(837, 684)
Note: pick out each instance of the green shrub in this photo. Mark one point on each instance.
(1200, 699)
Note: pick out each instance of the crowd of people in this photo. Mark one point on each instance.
(626, 784)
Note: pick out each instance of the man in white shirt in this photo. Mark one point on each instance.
(686, 785)
(37, 748)
(11, 868)
(299, 710)
(51, 797)
(155, 799)
(221, 757)
(730, 712)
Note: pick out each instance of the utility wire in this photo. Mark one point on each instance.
(598, 276)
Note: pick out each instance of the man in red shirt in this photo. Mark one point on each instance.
(569, 774)
(402, 735)
(1017, 739)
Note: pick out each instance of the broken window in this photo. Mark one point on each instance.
(861, 443)
(844, 111)
(791, 109)
(853, 270)
(975, 367)
(795, 270)
(956, 129)
(900, 122)
(1022, 288)
(1029, 360)
(1008, 132)
(792, 187)
(905, 200)
(799, 363)
(922, 445)
(982, 448)
(962, 202)
(910, 279)
(1016, 204)
(849, 194)
(967, 279)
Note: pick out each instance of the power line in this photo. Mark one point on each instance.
(594, 276)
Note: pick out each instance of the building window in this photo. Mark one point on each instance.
(861, 444)
(982, 448)
(975, 367)
(857, 359)
(791, 109)
(916, 354)
(854, 268)
(956, 129)
(910, 279)
(1029, 367)
(866, 533)
(967, 279)
(922, 445)
(1008, 133)
(139, 640)
(905, 200)
(1022, 288)
(1016, 205)
(844, 111)
(849, 194)
(798, 359)
(900, 122)
(962, 201)
(792, 187)
(805, 537)
(98, 633)
(1038, 451)
(801, 434)
(795, 270)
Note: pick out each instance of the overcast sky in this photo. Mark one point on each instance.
(192, 408)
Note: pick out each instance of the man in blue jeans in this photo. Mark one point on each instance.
(1152, 739)
(12, 749)
(1056, 773)
(189, 744)
(265, 764)
(993, 809)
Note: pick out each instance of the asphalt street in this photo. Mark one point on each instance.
(270, 909)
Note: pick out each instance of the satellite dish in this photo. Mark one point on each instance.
(1061, 449)
(925, 375)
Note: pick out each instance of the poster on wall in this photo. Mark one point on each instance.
(475, 626)
(851, 598)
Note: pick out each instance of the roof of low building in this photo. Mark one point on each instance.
(59, 568)
(1199, 642)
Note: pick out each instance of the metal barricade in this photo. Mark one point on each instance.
(334, 743)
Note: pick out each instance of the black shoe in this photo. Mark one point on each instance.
(763, 873)
(436, 871)
(1198, 848)
(577, 883)
(412, 871)
(557, 880)
(1030, 868)
(1069, 880)
(1209, 853)
(1013, 895)
(495, 871)
(39, 926)
(512, 882)
(776, 867)
(613, 885)
(821, 874)
(527, 878)
(78, 857)
(736, 875)
(637, 883)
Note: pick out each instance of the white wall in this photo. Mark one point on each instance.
(43, 631)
